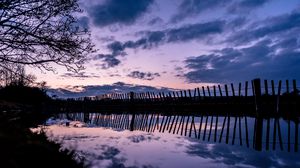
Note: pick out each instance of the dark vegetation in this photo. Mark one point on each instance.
(22, 148)
(23, 94)
(21, 108)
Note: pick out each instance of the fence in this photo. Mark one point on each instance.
(242, 89)
(253, 96)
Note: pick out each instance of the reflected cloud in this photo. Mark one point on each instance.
(109, 147)
(141, 138)
(109, 152)
(241, 156)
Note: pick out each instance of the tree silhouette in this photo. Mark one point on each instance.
(17, 76)
(42, 32)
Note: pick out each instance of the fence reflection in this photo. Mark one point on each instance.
(252, 132)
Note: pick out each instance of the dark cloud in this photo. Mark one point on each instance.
(236, 23)
(189, 8)
(94, 90)
(116, 11)
(155, 21)
(116, 47)
(192, 7)
(143, 75)
(272, 52)
(182, 34)
(277, 27)
(106, 39)
(252, 3)
(152, 39)
(79, 75)
(263, 59)
(108, 60)
(195, 31)
(246, 5)
(83, 22)
(114, 75)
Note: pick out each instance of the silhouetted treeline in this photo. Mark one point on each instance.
(24, 103)
(23, 94)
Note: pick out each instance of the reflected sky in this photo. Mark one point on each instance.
(114, 147)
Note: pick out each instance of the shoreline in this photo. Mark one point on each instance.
(23, 148)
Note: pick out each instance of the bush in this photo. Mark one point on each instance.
(23, 94)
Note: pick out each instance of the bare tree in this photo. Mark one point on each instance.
(16, 76)
(41, 32)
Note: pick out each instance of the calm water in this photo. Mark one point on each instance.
(177, 141)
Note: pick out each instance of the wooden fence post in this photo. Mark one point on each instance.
(131, 97)
(220, 90)
(190, 94)
(226, 91)
(295, 87)
(240, 89)
(232, 88)
(215, 92)
(198, 90)
(287, 87)
(278, 95)
(246, 89)
(208, 90)
(266, 88)
(273, 87)
(257, 94)
(259, 120)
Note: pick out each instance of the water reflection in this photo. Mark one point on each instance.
(257, 133)
(160, 140)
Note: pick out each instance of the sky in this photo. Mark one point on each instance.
(184, 44)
